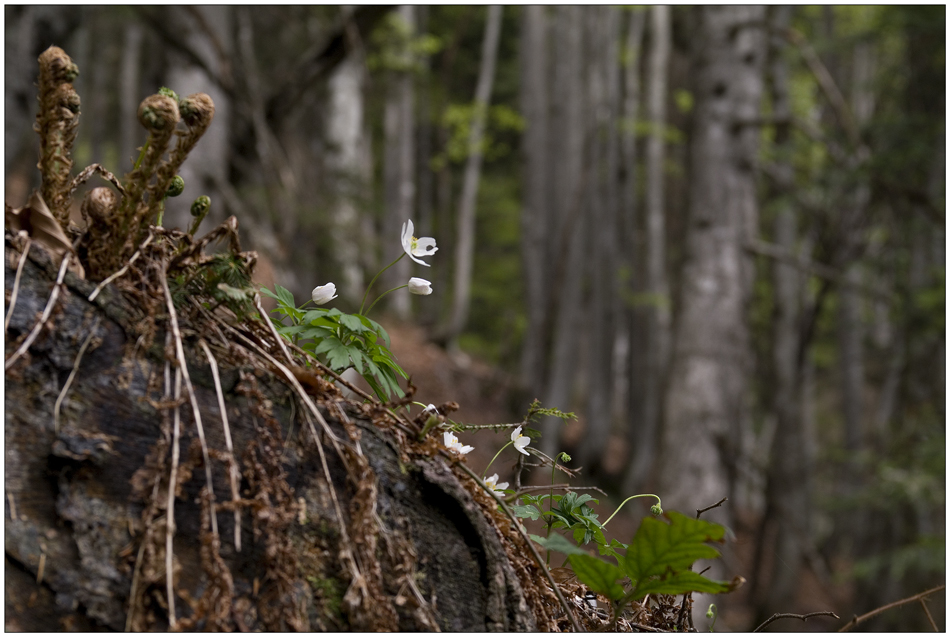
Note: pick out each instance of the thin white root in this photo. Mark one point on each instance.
(232, 463)
(273, 330)
(45, 317)
(170, 507)
(72, 375)
(16, 283)
(115, 275)
(183, 367)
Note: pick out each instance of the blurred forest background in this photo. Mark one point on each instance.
(716, 233)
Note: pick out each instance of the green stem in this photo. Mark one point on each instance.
(370, 286)
(642, 495)
(381, 296)
(496, 455)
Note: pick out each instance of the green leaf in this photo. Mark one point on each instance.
(600, 576)
(682, 582)
(559, 543)
(526, 511)
(285, 296)
(665, 551)
(351, 323)
(267, 292)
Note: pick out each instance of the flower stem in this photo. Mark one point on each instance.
(373, 304)
(642, 495)
(370, 286)
(496, 455)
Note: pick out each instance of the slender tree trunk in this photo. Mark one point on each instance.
(350, 167)
(657, 333)
(566, 246)
(788, 492)
(705, 399)
(536, 213)
(129, 95)
(465, 246)
(603, 236)
(636, 470)
(399, 177)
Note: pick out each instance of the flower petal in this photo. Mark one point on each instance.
(323, 293)
(420, 286)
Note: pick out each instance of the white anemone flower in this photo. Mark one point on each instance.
(323, 293)
(450, 441)
(520, 441)
(492, 483)
(414, 247)
(420, 286)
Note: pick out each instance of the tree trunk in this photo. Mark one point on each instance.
(657, 333)
(350, 164)
(536, 214)
(465, 230)
(705, 399)
(87, 476)
(566, 246)
(603, 67)
(399, 175)
(636, 471)
(788, 493)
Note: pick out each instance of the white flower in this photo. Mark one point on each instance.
(520, 441)
(453, 443)
(430, 409)
(492, 483)
(323, 293)
(420, 286)
(417, 247)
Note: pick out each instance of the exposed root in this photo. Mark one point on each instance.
(16, 283)
(45, 317)
(122, 270)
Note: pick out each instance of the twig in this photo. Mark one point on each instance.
(524, 536)
(930, 617)
(778, 616)
(46, 312)
(560, 487)
(232, 463)
(877, 611)
(12, 506)
(196, 413)
(121, 271)
(699, 512)
(645, 628)
(16, 283)
(72, 375)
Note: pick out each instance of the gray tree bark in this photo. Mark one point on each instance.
(399, 176)
(350, 163)
(603, 75)
(465, 228)
(656, 336)
(705, 402)
(536, 214)
(788, 492)
(566, 245)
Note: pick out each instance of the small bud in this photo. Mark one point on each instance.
(711, 611)
(201, 206)
(656, 509)
(159, 112)
(176, 187)
(197, 109)
(99, 204)
(167, 92)
(323, 293)
(564, 457)
(420, 286)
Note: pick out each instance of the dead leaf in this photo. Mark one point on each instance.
(37, 220)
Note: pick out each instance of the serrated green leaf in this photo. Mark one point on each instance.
(660, 552)
(327, 344)
(312, 315)
(357, 357)
(334, 312)
(682, 582)
(338, 357)
(267, 292)
(309, 331)
(600, 576)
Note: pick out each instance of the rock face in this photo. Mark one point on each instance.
(87, 476)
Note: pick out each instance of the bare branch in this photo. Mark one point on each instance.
(877, 611)
(778, 616)
(699, 512)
